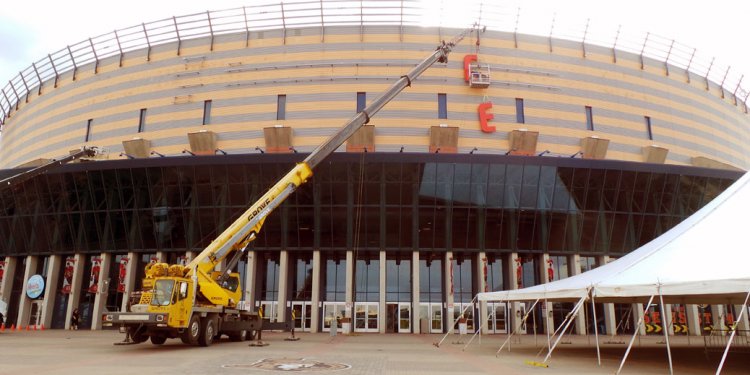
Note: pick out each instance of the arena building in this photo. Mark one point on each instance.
(523, 159)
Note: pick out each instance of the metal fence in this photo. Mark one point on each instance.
(326, 13)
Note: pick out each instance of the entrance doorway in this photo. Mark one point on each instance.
(497, 313)
(35, 317)
(269, 310)
(332, 310)
(468, 314)
(433, 314)
(398, 317)
(366, 316)
(302, 315)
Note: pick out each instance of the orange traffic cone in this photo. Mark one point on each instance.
(2, 327)
(35, 327)
(13, 327)
(42, 329)
(27, 327)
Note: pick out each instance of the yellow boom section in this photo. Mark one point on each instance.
(242, 232)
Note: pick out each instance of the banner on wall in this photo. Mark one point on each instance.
(96, 265)
(68, 274)
(122, 275)
(2, 270)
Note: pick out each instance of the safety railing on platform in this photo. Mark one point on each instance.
(326, 13)
(716, 341)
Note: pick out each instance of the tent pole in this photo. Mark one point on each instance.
(666, 331)
(546, 325)
(636, 330)
(533, 319)
(479, 331)
(731, 337)
(454, 324)
(557, 331)
(596, 330)
(576, 309)
(517, 328)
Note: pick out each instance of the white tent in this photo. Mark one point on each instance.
(704, 259)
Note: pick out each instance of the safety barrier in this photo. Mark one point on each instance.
(321, 14)
(717, 341)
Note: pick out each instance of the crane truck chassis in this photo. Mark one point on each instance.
(197, 303)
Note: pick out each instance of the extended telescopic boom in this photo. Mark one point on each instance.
(244, 229)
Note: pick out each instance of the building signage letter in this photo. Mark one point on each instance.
(468, 59)
(485, 117)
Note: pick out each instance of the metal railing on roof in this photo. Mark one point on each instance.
(297, 14)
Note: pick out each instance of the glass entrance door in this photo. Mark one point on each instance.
(468, 310)
(269, 310)
(366, 316)
(331, 311)
(496, 315)
(302, 315)
(404, 317)
(432, 313)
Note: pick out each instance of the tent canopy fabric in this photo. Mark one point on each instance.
(704, 259)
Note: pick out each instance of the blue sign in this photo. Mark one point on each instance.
(35, 286)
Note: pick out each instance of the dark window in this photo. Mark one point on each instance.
(520, 118)
(281, 107)
(206, 112)
(88, 129)
(589, 119)
(142, 120)
(442, 106)
(648, 127)
(361, 101)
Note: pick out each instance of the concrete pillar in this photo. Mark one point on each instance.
(548, 320)
(717, 315)
(6, 284)
(24, 308)
(349, 286)
(383, 319)
(315, 300)
(610, 322)
(75, 287)
(667, 316)
(281, 311)
(693, 319)
(250, 271)
(416, 310)
(574, 268)
(50, 292)
(448, 285)
(515, 307)
(482, 287)
(638, 315)
(100, 301)
(130, 279)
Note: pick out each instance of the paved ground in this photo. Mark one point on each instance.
(92, 352)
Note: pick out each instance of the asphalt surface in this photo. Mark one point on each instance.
(93, 352)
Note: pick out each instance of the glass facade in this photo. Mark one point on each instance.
(421, 202)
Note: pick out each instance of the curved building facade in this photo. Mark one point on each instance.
(524, 160)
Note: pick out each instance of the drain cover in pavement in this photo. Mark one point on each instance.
(292, 364)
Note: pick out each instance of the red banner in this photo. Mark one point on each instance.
(68, 275)
(96, 266)
(123, 274)
(2, 270)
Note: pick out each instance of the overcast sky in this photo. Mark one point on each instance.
(31, 29)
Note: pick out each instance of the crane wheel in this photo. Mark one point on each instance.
(239, 336)
(158, 339)
(191, 334)
(208, 331)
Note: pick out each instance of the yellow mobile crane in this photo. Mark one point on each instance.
(197, 303)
